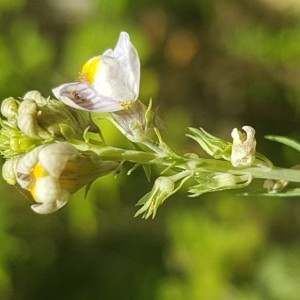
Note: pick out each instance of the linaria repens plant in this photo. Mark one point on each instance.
(53, 148)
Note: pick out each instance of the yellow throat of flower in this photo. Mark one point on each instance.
(37, 172)
(89, 70)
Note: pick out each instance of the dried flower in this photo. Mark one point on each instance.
(243, 147)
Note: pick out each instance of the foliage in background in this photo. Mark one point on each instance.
(202, 68)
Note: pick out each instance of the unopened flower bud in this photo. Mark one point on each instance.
(9, 170)
(274, 186)
(9, 109)
(28, 115)
(163, 188)
(212, 145)
(214, 181)
(42, 118)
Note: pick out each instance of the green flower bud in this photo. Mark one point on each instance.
(14, 142)
(212, 145)
(213, 182)
(162, 189)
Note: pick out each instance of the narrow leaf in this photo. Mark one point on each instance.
(284, 140)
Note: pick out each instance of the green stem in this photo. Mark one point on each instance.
(274, 173)
(109, 153)
(193, 163)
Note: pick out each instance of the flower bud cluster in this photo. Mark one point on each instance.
(34, 120)
(45, 140)
(35, 139)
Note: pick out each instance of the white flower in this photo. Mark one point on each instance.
(107, 83)
(53, 172)
(39, 171)
(243, 147)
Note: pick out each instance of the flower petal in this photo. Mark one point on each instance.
(118, 71)
(50, 197)
(128, 58)
(54, 157)
(48, 208)
(25, 166)
(115, 79)
(83, 96)
(122, 46)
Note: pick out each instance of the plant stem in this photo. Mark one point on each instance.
(276, 173)
(109, 153)
(263, 172)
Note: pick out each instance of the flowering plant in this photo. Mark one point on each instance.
(107, 83)
(53, 148)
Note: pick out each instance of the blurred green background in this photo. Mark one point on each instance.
(217, 64)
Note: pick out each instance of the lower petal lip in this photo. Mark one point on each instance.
(88, 99)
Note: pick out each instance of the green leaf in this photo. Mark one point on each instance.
(145, 202)
(147, 170)
(66, 131)
(284, 140)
